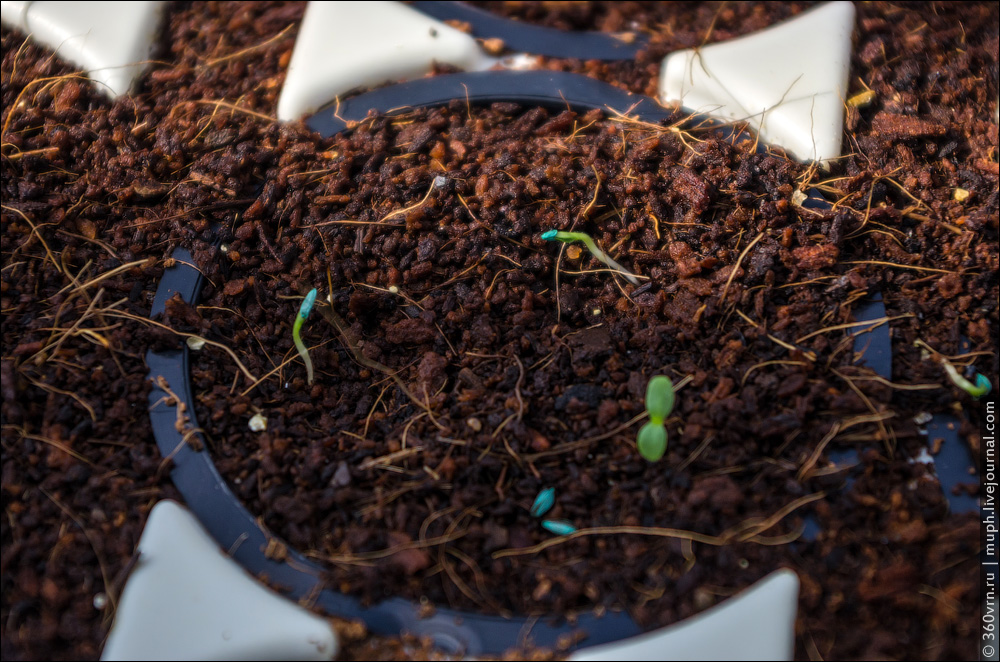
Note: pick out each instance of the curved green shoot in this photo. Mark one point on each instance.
(569, 237)
(304, 311)
(979, 389)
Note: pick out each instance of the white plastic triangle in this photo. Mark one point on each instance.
(343, 46)
(186, 600)
(789, 81)
(111, 40)
(757, 624)
(14, 13)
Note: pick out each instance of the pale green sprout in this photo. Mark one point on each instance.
(569, 237)
(304, 311)
(977, 390)
(652, 438)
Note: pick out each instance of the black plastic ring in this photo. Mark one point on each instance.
(534, 39)
(234, 528)
(551, 89)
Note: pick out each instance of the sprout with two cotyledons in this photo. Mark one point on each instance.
(652, 439)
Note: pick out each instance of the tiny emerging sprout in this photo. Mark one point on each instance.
(979, 389)
(304, 311)
(652, 438)
(543, 502)
(568, 237)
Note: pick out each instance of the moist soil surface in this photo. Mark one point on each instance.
(463, 364)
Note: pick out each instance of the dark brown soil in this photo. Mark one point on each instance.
(477, 380)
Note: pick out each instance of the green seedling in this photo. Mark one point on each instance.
(304, 310)
(569, 237)
(652, 438)
(979, 389)
(543, 502)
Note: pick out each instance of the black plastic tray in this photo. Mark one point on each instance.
(235, 529)
(535, 39)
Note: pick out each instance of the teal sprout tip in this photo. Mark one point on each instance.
(558, 526)
(307, 304)
(304, 310)
(550, 235)
(543, 502)
(983, 385)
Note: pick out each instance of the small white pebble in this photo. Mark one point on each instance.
(258, 423)
(195, 343)
(224, 248)
(100, 601)
(394, 289)
(440, 181)
(960, 194)
(798, 197)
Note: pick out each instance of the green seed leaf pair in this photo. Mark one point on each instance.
(652, 438)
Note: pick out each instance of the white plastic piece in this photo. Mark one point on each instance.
(111, 40)
(757, 624)
(789, 81)
(346, 45)
(13, 13)
(186, 600)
